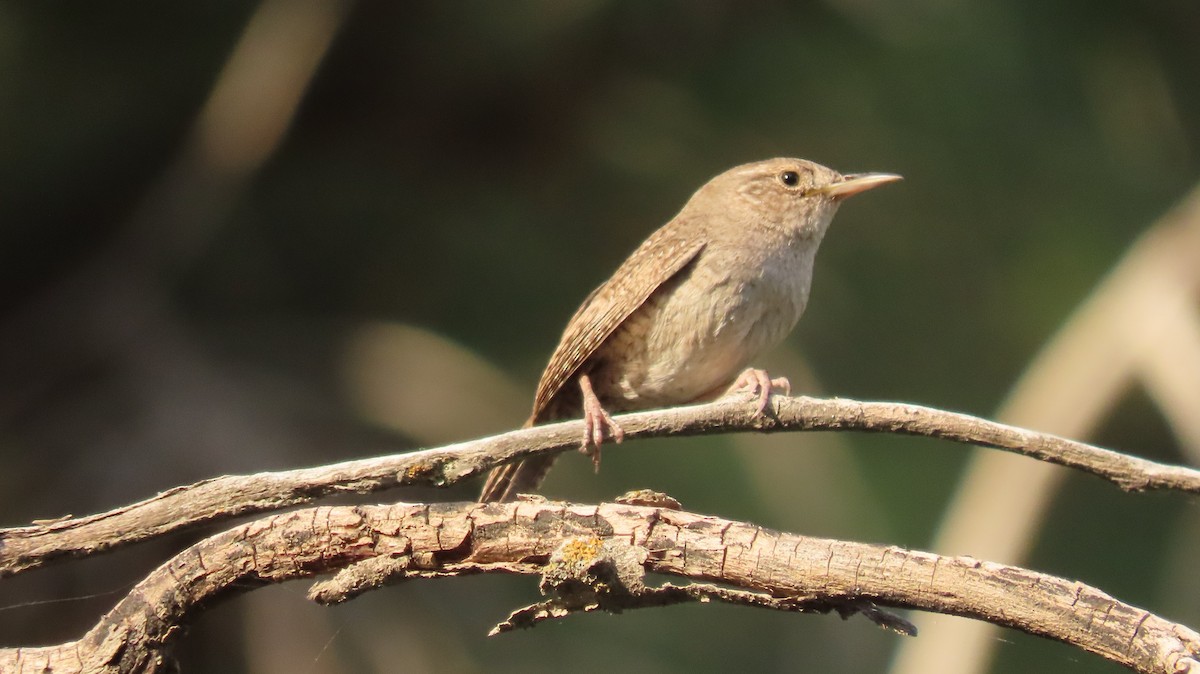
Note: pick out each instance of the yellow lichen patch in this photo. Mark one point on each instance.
(419, 471)
(580, 550)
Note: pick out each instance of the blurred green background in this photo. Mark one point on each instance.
(437, 186)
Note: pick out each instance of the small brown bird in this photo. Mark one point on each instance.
(724, 280)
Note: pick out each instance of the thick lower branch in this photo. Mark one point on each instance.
(452, 539)
(24, 548)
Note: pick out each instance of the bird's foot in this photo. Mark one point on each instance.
(597, 423)
(760, 383)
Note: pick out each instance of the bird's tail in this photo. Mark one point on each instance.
(523, 477)
(505, 482)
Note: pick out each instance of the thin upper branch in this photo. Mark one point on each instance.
(787, 571)
(24, 548)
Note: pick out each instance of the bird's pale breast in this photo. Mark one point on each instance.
(691, 338)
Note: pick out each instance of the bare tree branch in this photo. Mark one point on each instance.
(217, 499)
(590, 557)
(1138, 326)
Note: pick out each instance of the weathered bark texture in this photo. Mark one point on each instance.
(218, 499)
(373, 545)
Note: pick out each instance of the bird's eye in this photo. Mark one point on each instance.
(790, 178)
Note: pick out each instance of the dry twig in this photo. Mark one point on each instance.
(593, 557)
(218, 499)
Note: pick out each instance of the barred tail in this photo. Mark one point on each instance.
(505, 482)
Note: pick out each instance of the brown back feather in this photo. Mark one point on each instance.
(667, 252)
(663, 255)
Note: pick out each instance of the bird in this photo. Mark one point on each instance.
(683, 316)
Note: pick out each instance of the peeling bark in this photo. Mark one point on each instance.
(375, 545)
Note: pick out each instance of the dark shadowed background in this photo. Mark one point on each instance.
(240, 237)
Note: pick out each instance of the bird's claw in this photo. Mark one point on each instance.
(758, 382)
(597, 423)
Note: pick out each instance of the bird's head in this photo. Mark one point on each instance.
(797, 195)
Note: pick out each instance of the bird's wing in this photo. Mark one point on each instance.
(666, 253)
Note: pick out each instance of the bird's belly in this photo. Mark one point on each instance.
(691, 341)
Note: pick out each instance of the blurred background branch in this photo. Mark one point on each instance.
(1137, 327)
(112, 301)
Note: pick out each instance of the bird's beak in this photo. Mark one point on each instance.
(854, 183)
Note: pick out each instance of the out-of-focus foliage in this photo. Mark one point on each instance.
(474, 169)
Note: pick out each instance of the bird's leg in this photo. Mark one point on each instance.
(759, 382)
(596, 422)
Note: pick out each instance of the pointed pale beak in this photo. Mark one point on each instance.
(854, 183)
